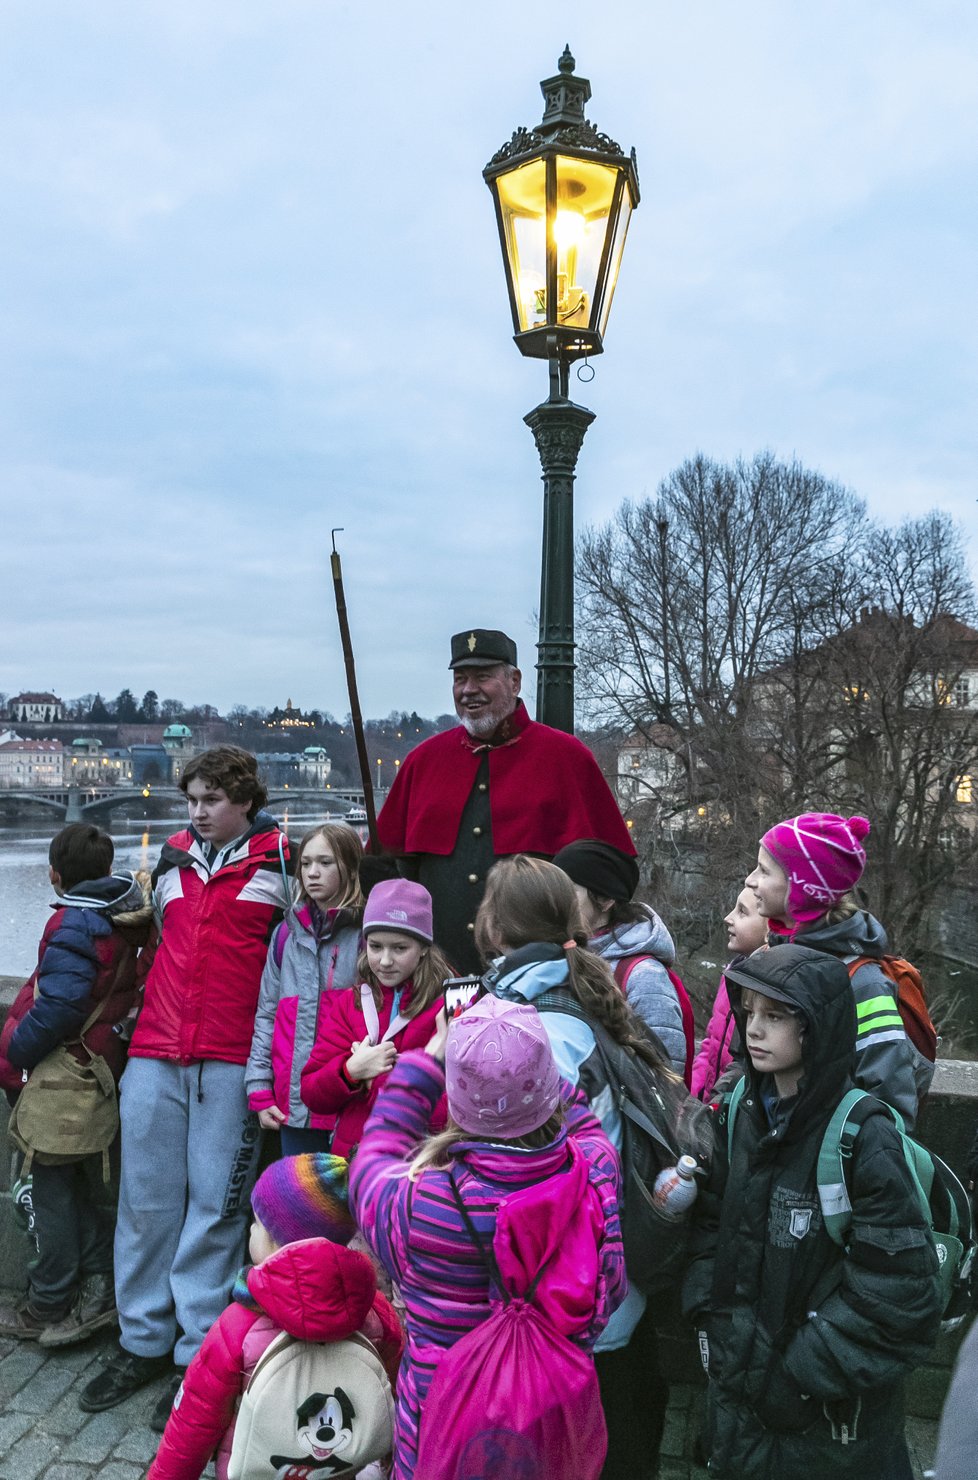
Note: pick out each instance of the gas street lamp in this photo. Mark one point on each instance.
(564, 194)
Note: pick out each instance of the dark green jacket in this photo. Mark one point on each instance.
(808, 1344)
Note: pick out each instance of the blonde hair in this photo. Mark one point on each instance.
(843, 909)
(427, 980)
(347, 850)
(529, 901)
(437, 1150)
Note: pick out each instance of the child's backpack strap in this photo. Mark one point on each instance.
(942, 1198)
(835, 1154)
(623, 969)
(278, 942)
(729, 1109)
(911, 1003)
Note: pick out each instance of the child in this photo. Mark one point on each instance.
(807, 868)
(806, 1344)
(87, 957)
(746, 933)
(303, 1281)
(530, 914)
(362, 1031)
(313, 951)
(621, 931)
(190, 1144)
(498, 1142)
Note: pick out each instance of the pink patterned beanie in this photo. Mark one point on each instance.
(823, 856)
(500, 1074)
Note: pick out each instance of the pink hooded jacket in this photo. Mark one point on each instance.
(714, 1052)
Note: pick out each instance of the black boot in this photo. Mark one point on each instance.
(123, 1375)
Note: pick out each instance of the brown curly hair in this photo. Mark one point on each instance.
(232, 769)
(528, 901)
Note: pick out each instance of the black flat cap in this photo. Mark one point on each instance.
(480, 647)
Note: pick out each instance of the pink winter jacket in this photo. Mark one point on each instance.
(325, 1087)
(315, 1290)
(714, 1052)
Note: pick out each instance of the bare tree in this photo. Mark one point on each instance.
(685, 601)
(892, 714)
(770, 651)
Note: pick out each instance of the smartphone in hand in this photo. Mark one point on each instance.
(461, 992)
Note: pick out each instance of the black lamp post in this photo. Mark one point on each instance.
(564, 194)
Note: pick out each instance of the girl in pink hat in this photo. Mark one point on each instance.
(527, 1161)
(804, 882)
(363, 1030)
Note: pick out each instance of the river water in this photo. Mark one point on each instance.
(26, 894)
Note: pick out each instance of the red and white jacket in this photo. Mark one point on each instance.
(202, 988)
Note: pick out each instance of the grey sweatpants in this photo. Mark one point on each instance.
(189, 1156)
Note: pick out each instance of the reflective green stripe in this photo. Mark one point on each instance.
(875, 1004)
(885, 1020)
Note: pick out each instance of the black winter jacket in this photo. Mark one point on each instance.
(808, 1344)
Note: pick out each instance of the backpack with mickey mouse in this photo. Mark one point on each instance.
(312, 1411)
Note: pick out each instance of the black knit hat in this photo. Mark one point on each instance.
(599, 868)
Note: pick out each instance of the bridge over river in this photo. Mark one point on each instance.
(76, 803)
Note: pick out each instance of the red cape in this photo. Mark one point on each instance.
(545, 790)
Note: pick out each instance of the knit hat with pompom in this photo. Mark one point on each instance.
(823, 856)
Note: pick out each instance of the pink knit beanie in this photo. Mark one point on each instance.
(823, 856)
(500, 1074)
(401, 905)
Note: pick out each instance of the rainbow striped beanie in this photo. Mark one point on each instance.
(305, 1197)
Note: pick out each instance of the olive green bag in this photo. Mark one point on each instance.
(68, 1109)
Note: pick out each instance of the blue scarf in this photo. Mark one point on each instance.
(529, 972)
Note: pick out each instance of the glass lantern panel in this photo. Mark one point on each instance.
(523, 207)
(614, 258)
(585, 195)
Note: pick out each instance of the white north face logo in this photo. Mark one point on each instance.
(397, 914)
(801, 1222)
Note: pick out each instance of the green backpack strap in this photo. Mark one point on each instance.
(835, 1153)
(730, 1104)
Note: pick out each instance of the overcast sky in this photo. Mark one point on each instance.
(251, 289)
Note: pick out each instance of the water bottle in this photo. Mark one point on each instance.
(675, 1187)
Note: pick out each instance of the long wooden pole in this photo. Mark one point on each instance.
(351, 684)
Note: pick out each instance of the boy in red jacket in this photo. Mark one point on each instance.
(189, 1142)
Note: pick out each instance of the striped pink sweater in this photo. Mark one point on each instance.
(417, 1232)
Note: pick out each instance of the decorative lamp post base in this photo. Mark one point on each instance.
(558, 427)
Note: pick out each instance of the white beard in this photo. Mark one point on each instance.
(479, 726)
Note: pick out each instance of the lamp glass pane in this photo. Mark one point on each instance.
(614, 258)
(523, 207)
(585, 193)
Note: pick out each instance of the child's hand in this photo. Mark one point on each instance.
(367, 1060)
(436, 1043)
(271, 1118)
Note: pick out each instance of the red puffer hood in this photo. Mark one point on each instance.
(315, 1290)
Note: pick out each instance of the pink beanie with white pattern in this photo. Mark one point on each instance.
(823, 856)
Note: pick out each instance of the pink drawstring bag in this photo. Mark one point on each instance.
(515, 1399)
